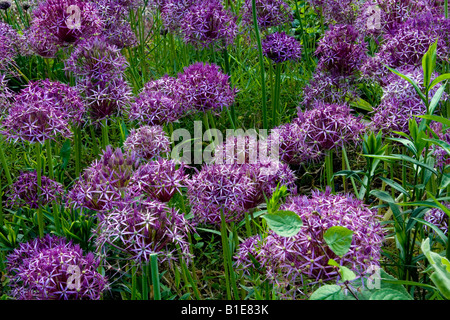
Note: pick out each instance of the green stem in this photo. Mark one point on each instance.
(48, 147)
(223, 231)
(276, 112)
(77, 138)
(155, 276)
(231, 110)
(3, 161)
(105, 138)
(329, 169)
(94, 140)
(39, 183)
(261, 64)
(446, 9)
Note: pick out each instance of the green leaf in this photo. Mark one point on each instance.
(441, 267)
(362, 104)
(284, 223)
(435, 229)
(416, 87)
(435, 100)
(388, 294)
(440, 78)
(346, 273)
(440, 119)
(326, 292)
(406, 158)
(339, 239)
(395, 185)
(65, 152)
(428, 64)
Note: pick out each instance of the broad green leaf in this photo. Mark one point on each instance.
(435, 100)
(339, 239)
(395, 185)
(440, 119)
(326, 292)
(362, 104)
(346, 273)
(284, 223)
(428, 64)
(389, 294)
(435, 229)
(445, 181)
(441, 267)
(440, 78)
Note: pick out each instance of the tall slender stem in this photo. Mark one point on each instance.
(39, 183)
(232, 111)
(155, 277)
(105, 138)
(77, 138)
(329, 169)
(3, 161)
(261, 64)
(276, 112)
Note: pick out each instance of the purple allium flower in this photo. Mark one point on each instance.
(173, 11)
(147, 142)
(41, 42)
(341, 51)
(269, 13)
(6, 96)
(400, 102)
(94, 58)
(105, 98)
(154, 108)
(325, 127)
(219, 188)
(441, 156)
(281, 47)
(207, 23)
(52, 268)
(12, 44)
(337, 11)
(60, 95)
(158, 179)
(140, 228)
(206, 87)
(35, 119)
(289, 261)
(104, 183)
(55, 19)
(438, 217)
(24, 191)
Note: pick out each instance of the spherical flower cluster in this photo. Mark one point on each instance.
(220, 188)
(281, 47)
(43, 110)
(6, 96)
(26, 191)
(173, 11)
(159, 180)
(341, 51)
(52, 22)
(325, 127)
(400, 102)
(206, 87)
(52, 268)
(207, 24)
(137, 229)
(438, 217)
(337, 11)
(11, 45)
(105, 182)
(269, 13)
(292, 262)
(147, 142)
(441, 156)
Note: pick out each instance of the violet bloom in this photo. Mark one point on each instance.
(337, 11)
(206, 87)
(217, 188)
(53, 268)
(207, 24)
(438, 217)
(158, 179)
(400, 102)
(269, 13)
(137, 229)
(147, 142)
(12, 44)
(104, 183)
(6, 96)
(26, 192)
(441, 156)
(53, 19)
(173, 11)
(290, 263)
(281, 47)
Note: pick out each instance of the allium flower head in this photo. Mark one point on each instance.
(440, 155)
(53, 269)
(173, 11)
(217, 188)
(141, 228)
(158, 179)
(337, 11)
(39, 113)
(341, 50)
(147, 142)
(6, 96)
(206, 87)
(54, 19)
(438, 217)
(269, 13)
(25, 191)
(207, 23)
(292, 262)
(281, 47)
(11, 45)
(104, 183)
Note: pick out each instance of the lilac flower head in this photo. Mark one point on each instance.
(441, 156)
(6, 96)
(25, 191)
(291, 262)
(53, 269)
(140, 228)
(341, 51)
(158, 179)
(207, 23)
(206, 87)
(438, 217)
(147, 142)
(269, 13)
(217, 188)
(54, 18)
(281, 47)
(173, 11)
(104, 183)
(11, 46)
(337, 11)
